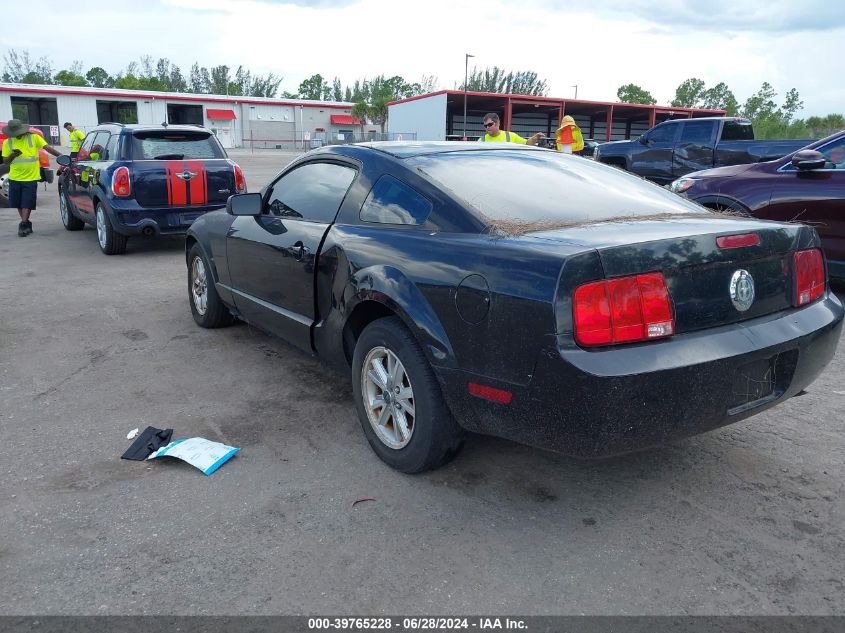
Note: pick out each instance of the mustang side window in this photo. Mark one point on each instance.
(393, 202)
(312, 192)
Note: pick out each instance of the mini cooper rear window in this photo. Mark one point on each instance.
(394, 202)
(161, 145)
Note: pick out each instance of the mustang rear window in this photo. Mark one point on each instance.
(160, 145)
(546, 186)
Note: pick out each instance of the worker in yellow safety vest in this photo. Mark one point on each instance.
(20, 153)
(493, 133)
(75, 137)
(568, 137)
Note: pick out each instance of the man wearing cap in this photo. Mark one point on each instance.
(568, 137)
(20, 152)
(492, 132)
(75, 137)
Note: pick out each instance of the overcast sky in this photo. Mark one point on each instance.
(596, 44)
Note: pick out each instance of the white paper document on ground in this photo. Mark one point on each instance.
(206, 455)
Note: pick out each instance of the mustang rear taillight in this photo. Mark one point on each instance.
(240, 180)
(120, 182)
(808, 267)
(623, 310)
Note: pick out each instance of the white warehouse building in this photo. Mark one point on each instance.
(237, 121)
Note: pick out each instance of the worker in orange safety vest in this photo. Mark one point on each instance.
(568, 137)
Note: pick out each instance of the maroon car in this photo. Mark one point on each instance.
(806, 186)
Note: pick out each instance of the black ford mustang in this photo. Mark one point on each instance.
(518, 292)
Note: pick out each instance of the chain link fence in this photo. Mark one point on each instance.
(304, 141)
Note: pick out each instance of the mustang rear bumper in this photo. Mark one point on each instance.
(611, 401)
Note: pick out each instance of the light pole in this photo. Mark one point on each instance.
(466, 72)
(576, 90)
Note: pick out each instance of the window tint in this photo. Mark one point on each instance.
(176, 145)
(698, 132)
(528, 186)
(98, 149)
(834, 154)
(394, 202)
(111, 147)
(664, 133)
(737, 131)
(311, 192)
(85, 148)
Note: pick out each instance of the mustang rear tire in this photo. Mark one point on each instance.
(206, 307)
(111, 242)
(70, 221)
(399, 401)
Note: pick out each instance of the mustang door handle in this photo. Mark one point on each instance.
(299, 251)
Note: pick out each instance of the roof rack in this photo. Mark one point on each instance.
(112, 123)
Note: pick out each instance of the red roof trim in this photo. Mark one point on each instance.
(220, 115)
(165, 96)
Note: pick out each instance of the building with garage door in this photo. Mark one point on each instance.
(440, 115)
(256, 122)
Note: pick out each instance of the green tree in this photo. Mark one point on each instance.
(219, 84)
(719, 97)
(267, 87)
(337, 90)
(69, 78)
(99, 78)
(632, 93)
(360, 111)
(314, 88)
(198, 80)
(495, 79)
(20, 68)
(688, 94)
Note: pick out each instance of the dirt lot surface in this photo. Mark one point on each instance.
(749, 519)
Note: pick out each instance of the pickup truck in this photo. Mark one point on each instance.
(680, 146)
(145, 180)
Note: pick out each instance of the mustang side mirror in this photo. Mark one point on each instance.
(644, 140)
(63, 160)
(808, 159)
(244, 204)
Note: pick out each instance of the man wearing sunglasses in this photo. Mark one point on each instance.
(493, 133)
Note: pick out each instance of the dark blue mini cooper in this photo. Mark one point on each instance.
(145, 180)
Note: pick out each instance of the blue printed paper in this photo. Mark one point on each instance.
(206, 455)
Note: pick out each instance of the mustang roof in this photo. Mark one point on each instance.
(409, 149)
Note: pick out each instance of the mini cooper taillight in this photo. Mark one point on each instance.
(240, 180)
(623, 310)
(808, 272)
(120, 182)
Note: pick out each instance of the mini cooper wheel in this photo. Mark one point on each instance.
(111, 242)
(399, 402)
(70, 221)
(206, 307)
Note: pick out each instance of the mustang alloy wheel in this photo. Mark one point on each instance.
(206, 307)
(388, 397)
(398, 400)
(199, 286)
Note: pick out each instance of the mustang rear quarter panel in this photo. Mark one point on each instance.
(417, 273)
(615, 400)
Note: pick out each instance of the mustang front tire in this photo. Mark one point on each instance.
(399, 402)
(206, 307)
(111, 242)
